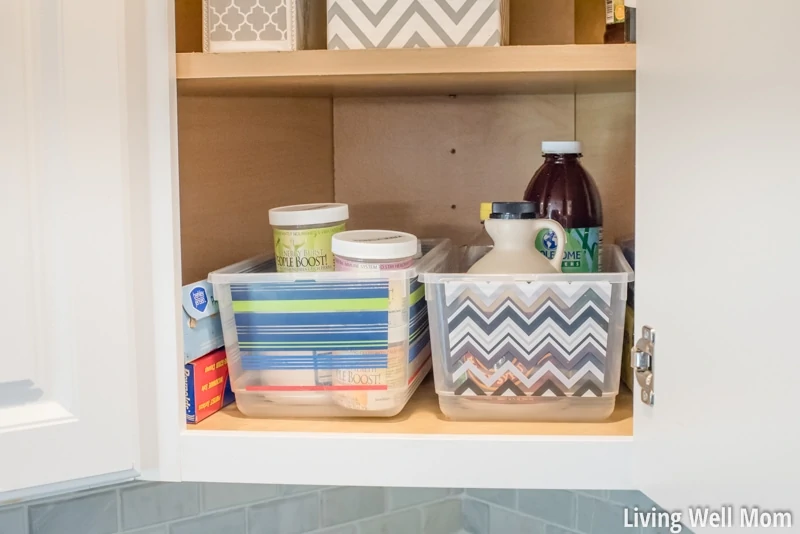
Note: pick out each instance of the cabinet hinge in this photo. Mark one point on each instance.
(642, 362)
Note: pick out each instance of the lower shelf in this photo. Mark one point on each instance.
(417, 448)
(422, 416)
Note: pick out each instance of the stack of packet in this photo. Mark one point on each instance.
(207, 386)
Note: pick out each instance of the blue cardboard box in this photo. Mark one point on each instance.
(202, 329)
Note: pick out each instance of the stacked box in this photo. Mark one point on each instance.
(202, 330)
(254, 25)
(355, 24)
(207, 386)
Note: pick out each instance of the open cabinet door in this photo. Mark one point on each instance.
(718, 254)
(68, 369)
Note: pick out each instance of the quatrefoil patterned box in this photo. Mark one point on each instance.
(254, 25)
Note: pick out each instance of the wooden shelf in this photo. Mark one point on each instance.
(442, 71)
(228, 447)
(422, 417)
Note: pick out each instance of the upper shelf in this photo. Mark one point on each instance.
(429, 71)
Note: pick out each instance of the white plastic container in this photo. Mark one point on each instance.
(543, 347)
(286, 334)
(302, 236)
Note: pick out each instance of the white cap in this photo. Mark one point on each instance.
(561, 147)
(374, 244)
(308, 214)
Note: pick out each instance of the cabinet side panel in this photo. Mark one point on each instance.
(542, 22)
(239, 157)
(189, 25)
(606, 123)
(424, 164)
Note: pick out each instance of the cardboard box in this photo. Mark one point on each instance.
(254, 25)
(202, 329)
(207, 386)
(412, 24)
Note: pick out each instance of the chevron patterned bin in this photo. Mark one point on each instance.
(359, 24)
(254, 25)
(528, 347)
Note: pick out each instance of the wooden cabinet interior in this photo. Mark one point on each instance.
(419, 164)
(415, 163)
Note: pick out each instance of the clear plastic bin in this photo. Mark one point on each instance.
(528, 347)
(333, 344)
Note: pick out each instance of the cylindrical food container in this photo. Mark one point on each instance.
(302, 235)
(377, 250)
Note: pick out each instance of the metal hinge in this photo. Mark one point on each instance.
(642, 362)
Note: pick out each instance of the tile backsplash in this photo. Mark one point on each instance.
(191, 508)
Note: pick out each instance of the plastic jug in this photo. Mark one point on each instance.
(513, 227)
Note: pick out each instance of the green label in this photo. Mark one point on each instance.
(581, 252)
(305, 250)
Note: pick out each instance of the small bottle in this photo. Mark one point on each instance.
(562, 190)
(514, 228)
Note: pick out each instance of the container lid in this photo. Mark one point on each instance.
(513, 210)
(308, 214)
(374, 244)
(561, 147)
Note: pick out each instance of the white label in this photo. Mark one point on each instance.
(609, 11)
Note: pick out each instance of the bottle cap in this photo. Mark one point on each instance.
(486, 210)
(513, 210)
(374, 244)
(561, 147)
(308, 214)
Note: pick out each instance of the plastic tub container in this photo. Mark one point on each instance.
(544, 347)
(286, 334)
(302, 236)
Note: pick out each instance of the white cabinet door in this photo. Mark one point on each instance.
(67, 369)
(718, 253)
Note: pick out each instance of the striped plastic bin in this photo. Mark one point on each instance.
(321, 344)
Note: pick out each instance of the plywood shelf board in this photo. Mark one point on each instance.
(422, 417)
(510, 69)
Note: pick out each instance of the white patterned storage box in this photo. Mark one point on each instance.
(528, 347)
(358, 24)
(254, 25)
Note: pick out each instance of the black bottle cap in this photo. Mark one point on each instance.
(513, 210)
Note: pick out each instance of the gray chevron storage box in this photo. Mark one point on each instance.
(254, 25)
(359, 24)
(530, 347)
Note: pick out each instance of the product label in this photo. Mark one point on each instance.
(305, 250)
(582, 252)
(398, 305)
(376, 388)
(615, 11)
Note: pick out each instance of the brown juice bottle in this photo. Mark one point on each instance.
(563, 191)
